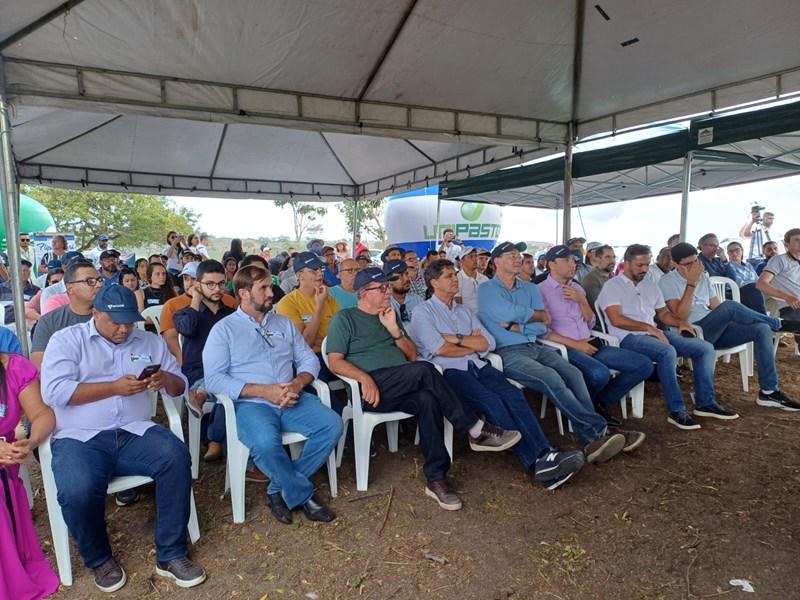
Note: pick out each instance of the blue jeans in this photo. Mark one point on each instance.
(487, 391)
(753, 298)
(731, 324)
(633, 369)
(82, 471)
(261, 426)
(543, 370)
(666, 356)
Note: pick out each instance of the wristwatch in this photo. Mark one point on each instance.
(401, 336)
(460, 339)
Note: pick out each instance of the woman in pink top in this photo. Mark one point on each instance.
(33, 307)
(25, 573)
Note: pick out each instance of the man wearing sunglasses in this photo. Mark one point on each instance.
(369, 344)
(261, 361)
(402, 300)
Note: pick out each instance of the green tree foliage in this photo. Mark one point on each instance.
(304, 215)
(130, 220)
(370, 218)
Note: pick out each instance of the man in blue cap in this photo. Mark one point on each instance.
(108, 267)
(402, 301)
(92, 378)
(368, 343)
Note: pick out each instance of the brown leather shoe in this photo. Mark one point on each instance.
(255, 475)
(214, 453)
(443, 494)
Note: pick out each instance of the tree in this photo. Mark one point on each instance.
(304, 214)
(129, 220)
(370, 218)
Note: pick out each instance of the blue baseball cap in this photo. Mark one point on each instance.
(307, 260)
(102, 237)
(560, 251)
(119, 302)
(54, 264)
(70, 256)
(371, 274)
(394, 267)
(504, 247)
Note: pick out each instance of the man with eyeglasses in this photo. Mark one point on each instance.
(345, 293)
(402, 301)
(330, 273)
(310, 307)
(368, 343)
(194, 323)
(261, 361)
(26, 252)
(515, 314)
(188, 277)
(55, 296)
(81, 282)
(415, 273)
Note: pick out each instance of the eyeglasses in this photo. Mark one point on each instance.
(266, 335)
(213, 285)
(24, 239)
(382, 288)
(90, 281)
(353, 270)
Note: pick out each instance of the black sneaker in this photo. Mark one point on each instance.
(110, 576)
(605, 412)
(790, 326)
(555, 468)
(126, 497)
(715, 411)
(777, 399)
(182, 571)
(682, 420)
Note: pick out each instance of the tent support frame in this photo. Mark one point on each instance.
(567, 219)
(10, 193)
(687, 186)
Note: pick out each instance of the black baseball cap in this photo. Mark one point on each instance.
(576, 239)
(560, 251)
(371, 274)
(307, 260)
(504, 247)
(110, 253)
(394, 267)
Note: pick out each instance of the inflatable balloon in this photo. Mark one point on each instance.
(411, 221)
(33, 216)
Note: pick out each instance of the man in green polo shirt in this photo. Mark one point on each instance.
(368, 344)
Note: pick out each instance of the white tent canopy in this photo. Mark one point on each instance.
(271, 98)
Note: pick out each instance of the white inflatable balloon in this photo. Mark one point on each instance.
(411, 221)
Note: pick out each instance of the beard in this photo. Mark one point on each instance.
(264, 307)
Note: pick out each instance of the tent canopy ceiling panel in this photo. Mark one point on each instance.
(473, 88)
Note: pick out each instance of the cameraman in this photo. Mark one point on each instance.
(757, 229)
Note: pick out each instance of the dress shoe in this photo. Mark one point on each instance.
(255, 475)
(278, 508)
(314, 510)
(604, 412)
(215, 452)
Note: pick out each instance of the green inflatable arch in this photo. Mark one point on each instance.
(33, 216)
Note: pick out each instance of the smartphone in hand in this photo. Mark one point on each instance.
(148, 371)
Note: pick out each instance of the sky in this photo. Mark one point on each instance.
(650, 221)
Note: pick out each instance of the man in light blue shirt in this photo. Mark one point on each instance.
(252, 357)
(91, 377)
(402, 301)
(514, 313)
(688, 294)
(450, 335)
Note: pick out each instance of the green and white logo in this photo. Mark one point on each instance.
(471, 211)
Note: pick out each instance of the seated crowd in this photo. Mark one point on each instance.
(453, 339)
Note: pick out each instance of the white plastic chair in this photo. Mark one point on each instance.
(154, 314)
(238, 453)
(25, 477)
(58, 527)
(194, 434)
(363, 424)
(720, 285)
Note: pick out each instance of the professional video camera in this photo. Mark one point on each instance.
(755, 211)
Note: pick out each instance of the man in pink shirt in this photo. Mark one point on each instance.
(571, 319)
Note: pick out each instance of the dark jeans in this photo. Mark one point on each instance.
(753, 298)
(488, 392)
(418, 389)
(731, 324)
(633, 368)
(82, 471)
(790, 314)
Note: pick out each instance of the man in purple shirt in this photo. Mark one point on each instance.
(91, 379)
(571, 319)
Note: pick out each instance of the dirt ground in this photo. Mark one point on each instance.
(679, 518)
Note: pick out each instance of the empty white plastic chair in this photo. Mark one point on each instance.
(58, 527)
(238, 453)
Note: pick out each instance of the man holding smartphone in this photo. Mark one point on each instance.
(90, 377)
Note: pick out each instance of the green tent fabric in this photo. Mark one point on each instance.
(33, 216)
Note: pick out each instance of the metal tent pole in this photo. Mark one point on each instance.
(687, 185)
(436, 231)
(567, 218)
(355, 221)
(10, 194)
